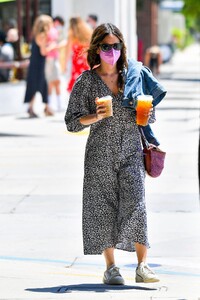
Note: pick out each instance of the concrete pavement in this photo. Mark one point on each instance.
(40, 204)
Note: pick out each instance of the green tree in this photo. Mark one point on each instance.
(191, 10)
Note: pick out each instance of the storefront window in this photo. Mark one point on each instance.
(31, 8)
(20, 14)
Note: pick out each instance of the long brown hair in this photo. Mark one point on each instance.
(98, 35)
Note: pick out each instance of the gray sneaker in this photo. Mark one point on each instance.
(145, 274)
(112, 276)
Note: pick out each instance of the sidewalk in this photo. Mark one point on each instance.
(12, 98)
(40, 204)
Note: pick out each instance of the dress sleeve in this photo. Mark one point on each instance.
(78, 105)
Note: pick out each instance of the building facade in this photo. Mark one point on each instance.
(120, 12)
(147, 25)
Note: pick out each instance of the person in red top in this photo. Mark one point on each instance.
(79, 35)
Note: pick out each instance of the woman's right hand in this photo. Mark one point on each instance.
(100, 110)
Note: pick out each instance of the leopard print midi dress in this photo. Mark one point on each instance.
(114, 210)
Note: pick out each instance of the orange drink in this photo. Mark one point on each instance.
(107, 102)
(144, 104)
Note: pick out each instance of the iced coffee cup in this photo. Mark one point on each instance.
(144, 104)
(107, 102)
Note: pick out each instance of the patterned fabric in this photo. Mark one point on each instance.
(79, 63)
(114, 211)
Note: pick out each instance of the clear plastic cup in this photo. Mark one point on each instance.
(107, 101)
(144, 104)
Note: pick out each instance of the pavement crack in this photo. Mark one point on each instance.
(13, 210)
(73, 262)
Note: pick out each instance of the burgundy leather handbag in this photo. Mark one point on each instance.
(154, 158)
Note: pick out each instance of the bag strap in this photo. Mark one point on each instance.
(145, 143)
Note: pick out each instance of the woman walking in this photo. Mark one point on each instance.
(36, 80)
(114, 210)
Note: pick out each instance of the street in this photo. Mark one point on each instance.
(41, 177)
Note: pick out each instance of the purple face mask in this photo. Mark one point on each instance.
(111, 56)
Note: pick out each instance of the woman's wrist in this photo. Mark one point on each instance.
(89, 119)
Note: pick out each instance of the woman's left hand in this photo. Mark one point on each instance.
(151, 146)
(148, 113)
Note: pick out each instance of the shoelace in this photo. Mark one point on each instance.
(114, 271)
(147, 270)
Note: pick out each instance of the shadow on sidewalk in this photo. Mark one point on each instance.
(5, 134)
(171, 77)
(97, 288)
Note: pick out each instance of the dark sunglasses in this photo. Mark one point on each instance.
(108, 47)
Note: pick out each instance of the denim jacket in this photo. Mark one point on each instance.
(140, 80)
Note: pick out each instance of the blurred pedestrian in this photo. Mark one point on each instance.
(36, 81)
(92, 20)
(59, 24)
(6, 55)
(153, 59)
(114, 210)
(79, 35)
(52, 65)
(12, 35)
